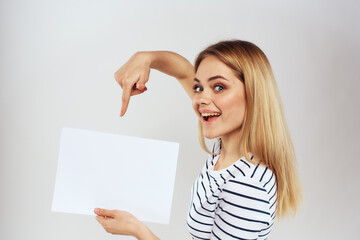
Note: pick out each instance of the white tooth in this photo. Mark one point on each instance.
(209, 114)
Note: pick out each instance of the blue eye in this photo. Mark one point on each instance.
(197, 88)
(218, 88)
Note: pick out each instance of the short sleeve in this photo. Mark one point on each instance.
(244, 211)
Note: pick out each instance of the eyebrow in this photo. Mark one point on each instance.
(212, 78)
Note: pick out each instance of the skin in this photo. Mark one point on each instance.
(214, 88)
(134, 74)
(217, 89)
(122, 223)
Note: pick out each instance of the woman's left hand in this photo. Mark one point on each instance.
(123, 223)
(117, 222)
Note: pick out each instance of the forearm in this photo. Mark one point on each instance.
(174, 65)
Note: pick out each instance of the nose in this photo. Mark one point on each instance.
(202, 98)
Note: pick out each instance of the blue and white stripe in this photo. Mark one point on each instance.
(238, 202)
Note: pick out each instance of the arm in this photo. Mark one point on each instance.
(177, 66)
(133, 75)
(123, 223)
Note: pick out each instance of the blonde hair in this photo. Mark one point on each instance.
(264, 132)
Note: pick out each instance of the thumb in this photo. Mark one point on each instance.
(140, 85)
(104, 212)
(137, 92)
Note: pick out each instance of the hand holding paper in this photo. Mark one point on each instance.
(123, 223)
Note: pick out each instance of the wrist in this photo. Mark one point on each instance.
(147, 57)
(144, 233)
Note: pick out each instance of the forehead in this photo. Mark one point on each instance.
(212, 66)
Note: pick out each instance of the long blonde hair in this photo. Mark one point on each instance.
(264, 132)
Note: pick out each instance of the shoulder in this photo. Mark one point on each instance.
(251, 181)
(247, 200)
(251, 190)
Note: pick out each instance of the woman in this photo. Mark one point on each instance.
(250, 176)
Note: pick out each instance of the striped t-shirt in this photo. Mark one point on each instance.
(238, 202)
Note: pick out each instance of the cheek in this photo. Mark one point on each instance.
(234, 106)
(240, 110)
(195, 105)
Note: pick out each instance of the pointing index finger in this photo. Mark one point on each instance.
(125, 99)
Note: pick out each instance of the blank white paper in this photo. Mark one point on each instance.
(115, 172)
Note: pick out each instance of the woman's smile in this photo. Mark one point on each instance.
(208, 117)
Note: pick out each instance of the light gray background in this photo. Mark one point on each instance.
(57, 60)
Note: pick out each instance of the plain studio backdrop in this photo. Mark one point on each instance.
(57, 60)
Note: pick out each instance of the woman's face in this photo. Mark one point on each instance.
(219, 99)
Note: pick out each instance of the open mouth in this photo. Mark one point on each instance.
(209, 116)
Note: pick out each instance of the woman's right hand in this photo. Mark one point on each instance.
(132, 77)
(134, 74)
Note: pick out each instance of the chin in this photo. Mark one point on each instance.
(210, 135)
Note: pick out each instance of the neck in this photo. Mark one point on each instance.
(230, 149)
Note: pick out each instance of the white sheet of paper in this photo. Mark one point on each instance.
(116, 172)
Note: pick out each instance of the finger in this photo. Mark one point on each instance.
(140, 85)
(125, 98)
(104, 212)
(137, 92)
(103, 221)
